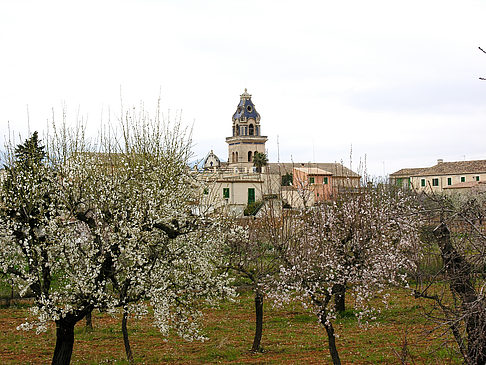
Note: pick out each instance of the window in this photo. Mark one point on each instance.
(206, 191)
(326, 180)
(422, 182)
(463, 178)
(226, 193)
(311, 180)
(449, 181)
(287, 179)
(476, 177)
(435, 182)
(251, 195)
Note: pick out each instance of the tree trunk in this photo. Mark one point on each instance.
(64, 341)
(331, 339)
(126, 341)
(89, 322)
(460, 279)
(9, 299)
(339, 291)
(259, 322)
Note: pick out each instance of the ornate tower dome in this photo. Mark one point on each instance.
(246, 138)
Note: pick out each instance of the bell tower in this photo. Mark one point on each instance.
(246, 138)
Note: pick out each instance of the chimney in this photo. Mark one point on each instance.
(439, 161)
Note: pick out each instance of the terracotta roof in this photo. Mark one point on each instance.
(458, 167)
(408, 172)
(446, 168)
(313, 171)
(336, 169)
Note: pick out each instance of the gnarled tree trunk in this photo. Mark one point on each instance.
(126, 340)
(64, 341)
(330, 337)
(258, 321)
(89, 321)
(460, 279)
(339, 291)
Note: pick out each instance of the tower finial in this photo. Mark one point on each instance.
(245, 90)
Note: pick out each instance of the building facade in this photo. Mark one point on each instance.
(443, 177)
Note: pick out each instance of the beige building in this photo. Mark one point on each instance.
(235, 183)
(443, 177)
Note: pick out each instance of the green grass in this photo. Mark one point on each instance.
(291, 335)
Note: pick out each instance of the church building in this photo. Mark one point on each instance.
(236, 183)
(246, 139)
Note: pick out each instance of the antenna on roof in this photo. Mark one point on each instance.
(313, 152)
(351, 157)
(278, 151)
(28, 120)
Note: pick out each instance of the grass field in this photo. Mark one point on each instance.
(291, 335)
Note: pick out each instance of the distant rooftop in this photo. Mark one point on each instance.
(336, 169)
(313, 170)
(445, 168)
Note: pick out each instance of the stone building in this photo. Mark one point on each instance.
(457, 176)
(235, 183)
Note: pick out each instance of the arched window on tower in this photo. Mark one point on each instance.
(251, 130)
(236, 156)
(249, 156)
(233, 157)
(237, 130)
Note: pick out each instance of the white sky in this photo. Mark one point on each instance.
(396, 80)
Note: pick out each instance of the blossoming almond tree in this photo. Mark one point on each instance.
(362, 243)
(250, 253)
(31, 254)
(119, 231)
